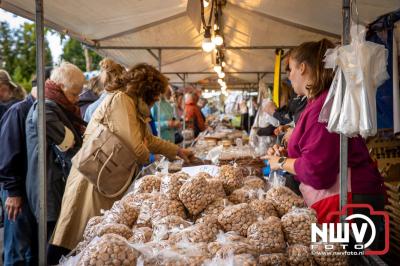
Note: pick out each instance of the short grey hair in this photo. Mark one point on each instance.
(68, 75)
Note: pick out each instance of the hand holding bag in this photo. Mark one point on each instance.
(106, 161)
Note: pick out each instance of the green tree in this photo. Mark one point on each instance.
(7, 49)
(73, 52)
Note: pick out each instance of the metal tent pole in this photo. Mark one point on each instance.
(343, 139)
(159, 102)
(42, 173)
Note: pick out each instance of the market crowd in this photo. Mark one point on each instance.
(135, 104)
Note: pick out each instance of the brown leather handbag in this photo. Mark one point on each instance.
(106, 161)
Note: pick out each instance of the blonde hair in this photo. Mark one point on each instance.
(110, 71)
(68, 75)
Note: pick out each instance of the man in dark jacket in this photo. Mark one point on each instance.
(20, 231)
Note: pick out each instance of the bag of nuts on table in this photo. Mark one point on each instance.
(237, 218)
(196, 233)
(216, 207)
(196, 194)
(263, 208)
(141, 235)
(117, 229)
(211, 221)
(165, 207)
(168, 225)
(146, 210)
(110, 249)
(122, 212)
(232, 177)
(299, 255)
(217, 187)
(172, 183)
(273, 259)
(147, 184)
(331, 256)
(246, 195)
(255, 182)
(284, 199)
(267, 235)
(297, 225)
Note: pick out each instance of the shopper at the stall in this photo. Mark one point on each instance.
(313, 152)
(7, 91)
(193, 117)
(127, 111)
(64, 128)
(167, 122)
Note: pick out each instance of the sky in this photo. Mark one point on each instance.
(53, 39)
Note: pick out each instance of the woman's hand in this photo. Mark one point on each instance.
(273, 161)
(276, 150)
(186, 155)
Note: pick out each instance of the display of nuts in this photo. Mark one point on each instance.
(329, 256)
(284, 199)
(263, 208)
(267, 235)
(237, 218)
(232, 178)
(217, 187)
(254, 182)
(147, 184)
(110, 249)
(216, 207)
(297, 225)
(172, 183)
(118, 229)
(195, 234)
(141, 235)
(196, 194)
(91, 227)
(167, 225)
(299, 255)
(246, 195)
(274, 259)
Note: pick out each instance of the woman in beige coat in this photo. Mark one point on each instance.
(127, 111)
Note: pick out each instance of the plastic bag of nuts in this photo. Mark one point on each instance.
(244, 260)
(299, 255)
(216, 207)
(254, 182)
(273, 259)
(211, 221)
(196, 194)
(332, 256)
(110, 249)
(194, 234)
(297, 225)
(92, 227)
(267, 235)
(237, 218)
(232, 178)
(164, 207)
(147, 184)
(172, 183)
(263, 208)
(168, 225)
(284, 199)
(246, 195)
(217, 187)
(146, 210)
(141, 235)
(118, 229)
(122, 212)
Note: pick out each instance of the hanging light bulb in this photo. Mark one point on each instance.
(217, 68)
(221, 75)
(206, 3)
(207, 44)
(218, 40)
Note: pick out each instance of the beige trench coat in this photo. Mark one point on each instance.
(128, 118)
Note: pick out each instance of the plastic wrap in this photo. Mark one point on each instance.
(229, 244)
(172, 183)
(299, 255)
(216, 207)
(121, 213)
(196, 233)
(168, 225)
(263, 208)
(165, 207)
(237, 218)
(91, 228)
(147, 184)
(217, 187)
(146, 209)
(141, 235)
(231, 177)
(267, 235)
(110, 249)
(246, 195)
(255, 182)
(297, 225)
(211, 221)
(196, 194)
(283, 199)
(118, 229)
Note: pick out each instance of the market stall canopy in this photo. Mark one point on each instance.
(112, 27)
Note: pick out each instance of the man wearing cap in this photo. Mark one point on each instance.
(7, 87)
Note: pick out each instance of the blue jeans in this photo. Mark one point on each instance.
(20, 236)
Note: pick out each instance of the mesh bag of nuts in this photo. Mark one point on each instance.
(141, 235)
(329, 256)
(118, 229)
(273, 259)
(267, 236)
(232, 178)
(217, 187)
(110, 249)
(299, 255)
(237, 218)
(297, 225)
(171, 184)
(263, 208)
(246, 195)
(168, 225)
(284, 199)
(255, 182)
(147, 184)
(196, 194)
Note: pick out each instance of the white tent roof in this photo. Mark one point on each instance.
(166, 23)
